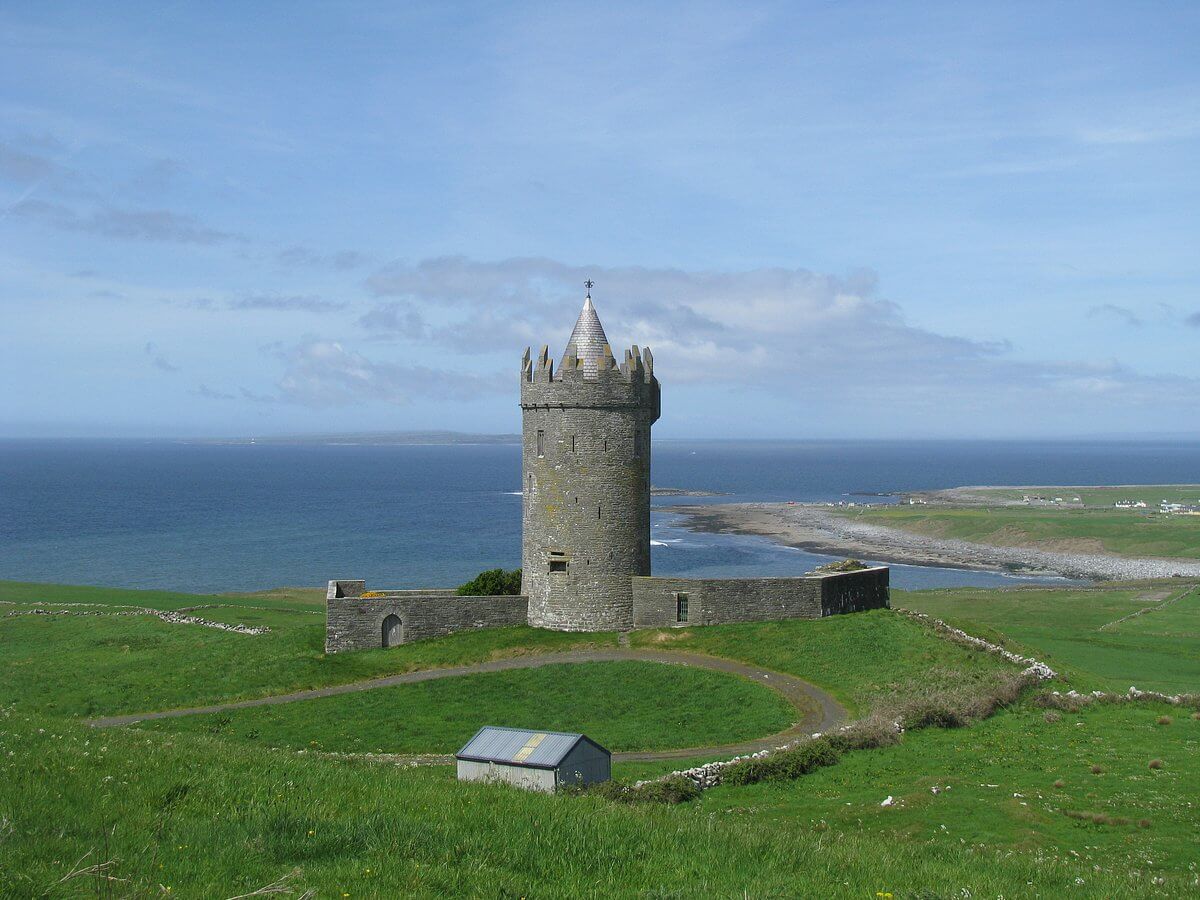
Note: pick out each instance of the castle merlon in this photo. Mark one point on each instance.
(637, 366)
(588, 357)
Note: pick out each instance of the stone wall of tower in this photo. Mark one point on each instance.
(586, 504)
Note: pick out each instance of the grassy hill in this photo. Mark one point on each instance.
(204, 810)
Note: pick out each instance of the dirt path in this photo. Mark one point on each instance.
(817, 710)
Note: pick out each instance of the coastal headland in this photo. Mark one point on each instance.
(1073, 539)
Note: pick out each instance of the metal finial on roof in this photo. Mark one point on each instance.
(589, 284)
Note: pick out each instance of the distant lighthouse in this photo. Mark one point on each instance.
(585, 466)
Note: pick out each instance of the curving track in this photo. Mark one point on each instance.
(817, 710)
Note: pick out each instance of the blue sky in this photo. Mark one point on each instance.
(827, 219)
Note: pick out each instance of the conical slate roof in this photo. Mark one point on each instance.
(587, 340)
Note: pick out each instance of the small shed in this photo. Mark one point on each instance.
(534, 760)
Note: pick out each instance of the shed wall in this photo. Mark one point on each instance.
(519, 776)
(584, 765)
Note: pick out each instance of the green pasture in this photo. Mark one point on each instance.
(1135, 533)
(1101, 496)
(77, 665)
(1086, 633)
(623, 705)
(207, 806)
(861, 659)
(1014, 781)
(195, 815)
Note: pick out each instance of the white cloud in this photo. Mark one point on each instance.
(324, 373)
(792, 332)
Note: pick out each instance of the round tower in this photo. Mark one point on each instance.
(585, 468)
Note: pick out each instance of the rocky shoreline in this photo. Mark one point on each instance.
(819, 529)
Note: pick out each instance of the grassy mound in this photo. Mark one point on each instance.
(866, 659)
(623, 705)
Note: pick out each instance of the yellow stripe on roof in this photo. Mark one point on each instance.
(530, 746)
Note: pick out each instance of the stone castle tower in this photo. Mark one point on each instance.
(585, 469)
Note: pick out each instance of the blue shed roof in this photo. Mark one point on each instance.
(522, 746)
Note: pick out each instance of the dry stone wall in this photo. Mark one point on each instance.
(355, 622)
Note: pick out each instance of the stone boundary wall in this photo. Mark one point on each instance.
(719, 601)
(355, 622)
(1033, 670)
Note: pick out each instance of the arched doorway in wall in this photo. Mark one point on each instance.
(393, 631)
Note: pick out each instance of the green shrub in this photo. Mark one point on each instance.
(866, 734)
(675, 789)
(783, 765)
(933, 712)
(492, 583)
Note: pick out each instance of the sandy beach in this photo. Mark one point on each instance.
(820, 529)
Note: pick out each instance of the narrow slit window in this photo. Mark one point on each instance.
(572, 443)
(681, 607)
(541, 443)
(606, 445)
(598, 510)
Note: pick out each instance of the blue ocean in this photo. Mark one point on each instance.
(210, 517)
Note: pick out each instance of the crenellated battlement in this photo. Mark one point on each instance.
(638, 366)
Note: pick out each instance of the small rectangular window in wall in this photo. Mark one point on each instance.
(541, 443)
(681, 607)
(558, 565)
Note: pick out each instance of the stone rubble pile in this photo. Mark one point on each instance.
(1133, 694)
(1033, 667)
(175, 618)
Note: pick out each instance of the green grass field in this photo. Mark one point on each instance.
(202, 808)
(997, 789)
(97, 665)
(623, 705)
(204, 817)
(1093, 635)
(1103, 496)
(1134, 533)
(860, 659)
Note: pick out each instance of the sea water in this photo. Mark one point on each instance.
(207, 517)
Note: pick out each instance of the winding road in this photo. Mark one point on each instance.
(817, 710)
